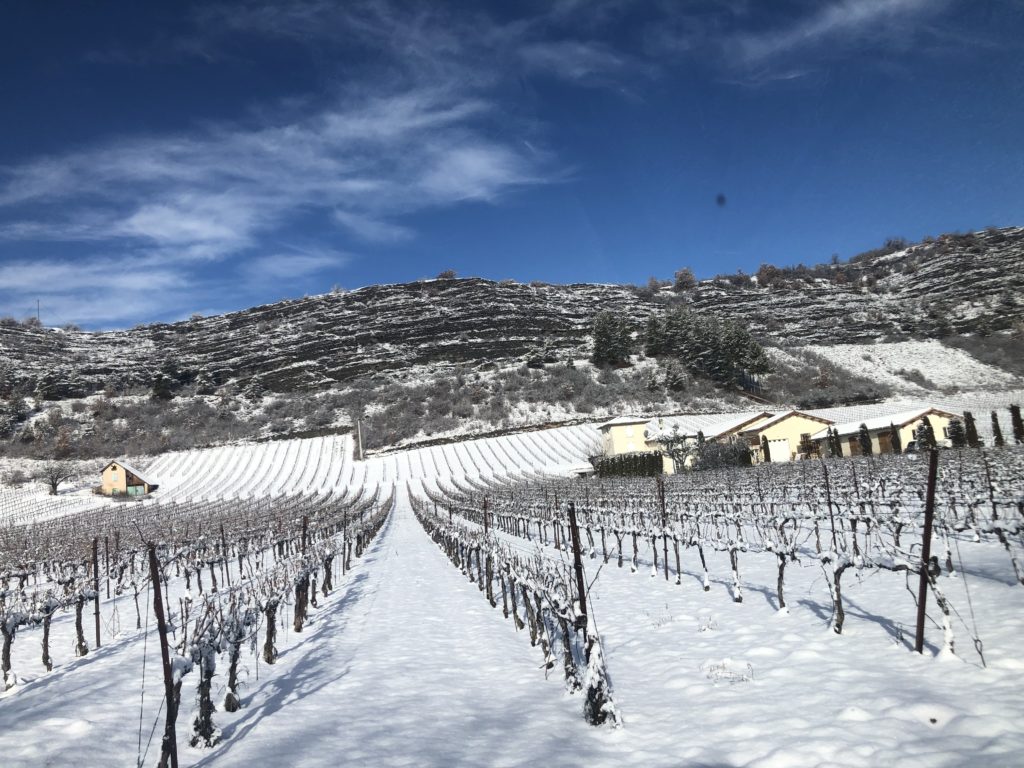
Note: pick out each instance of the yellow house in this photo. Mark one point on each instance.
(880, 430)
(712, 427)
(623, 434)
(786, 434)
(120, 478)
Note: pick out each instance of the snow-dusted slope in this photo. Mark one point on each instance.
(323, 464)
(951, 284)
(909, 366)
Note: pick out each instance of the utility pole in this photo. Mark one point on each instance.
(359, 435)
(926, 547)
(40, 322)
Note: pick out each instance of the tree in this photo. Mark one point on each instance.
(925, 434)
(1017, 424)
(715, 455)
(957, 434)
(766, 454)
(835, 446)
(675, 445)
(894, 439)
(205, 383)
(613, 339)
(254, 390)
(675, 377)
(685, 280)
(162, 387)
(448, 274)
(53, 473)
(864, 438)
(971, 430)
(997, 433)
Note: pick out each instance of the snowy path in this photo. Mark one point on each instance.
(405, 665)
(411, 668)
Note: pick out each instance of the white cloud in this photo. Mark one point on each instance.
(371, 229)
(293, 266)
(843, 20)
(572, 60)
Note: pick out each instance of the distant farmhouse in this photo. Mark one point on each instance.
(771, 437)
(120, 478)
(881, 428)
(782, 437)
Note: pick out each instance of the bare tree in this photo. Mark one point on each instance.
(53, 473)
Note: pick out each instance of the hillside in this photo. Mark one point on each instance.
(446, 355)
(954, 284)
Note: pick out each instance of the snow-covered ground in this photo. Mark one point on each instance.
(407, 665)
(890, 362)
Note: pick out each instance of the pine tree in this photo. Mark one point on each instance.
(957, 433)
(675, 377)
(684, 281)
(864, 438)
(925, 434)
(997, 433)
(654, 337)
(162, 388)
(1016, 424)
(612, 339)
(971, 430)
(254, 390)
(835, 446)
(894, 439)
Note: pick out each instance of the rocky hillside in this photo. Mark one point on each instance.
(952, 284)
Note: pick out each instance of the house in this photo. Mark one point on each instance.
(712, 427)
(787, 436)
(119, 478)
(880, 430)
(623, 434)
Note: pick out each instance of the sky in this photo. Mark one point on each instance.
(160, 159)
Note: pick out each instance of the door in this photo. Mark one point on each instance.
(778, 450)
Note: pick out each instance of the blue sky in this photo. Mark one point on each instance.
(160, 159)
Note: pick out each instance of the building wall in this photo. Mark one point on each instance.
(624, 438)
(789, 429)
(114, 480)
(117, 480)
(939, 424)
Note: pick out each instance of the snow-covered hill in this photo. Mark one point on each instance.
(956, 283)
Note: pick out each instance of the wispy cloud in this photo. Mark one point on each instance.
(842, 21)
(293, 265)
(361, 162)
(574, 60)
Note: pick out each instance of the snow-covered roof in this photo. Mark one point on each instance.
(898, 420)
(759, 426)
(622, 420)
(129, 468)
(712, 425)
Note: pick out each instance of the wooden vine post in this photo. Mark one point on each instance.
(926, 547)
(96, 585)
(169, 743)
(664, 521)
(581, 585)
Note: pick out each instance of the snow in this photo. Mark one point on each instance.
(888, 363)
(406, 664)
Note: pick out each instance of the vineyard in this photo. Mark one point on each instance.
(418, 606)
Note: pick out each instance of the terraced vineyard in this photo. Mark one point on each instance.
(297, 581)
